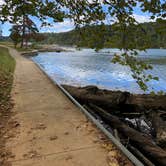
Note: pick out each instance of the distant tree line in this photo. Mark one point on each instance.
(90, 36)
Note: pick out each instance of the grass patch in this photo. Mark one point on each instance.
(7, 43)
(10, 44)
(33, 47)
(7, 65)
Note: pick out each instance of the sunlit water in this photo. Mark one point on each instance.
(87, 67)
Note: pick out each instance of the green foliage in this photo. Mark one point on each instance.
(30, 33)
(137, 67)
(14, 10)
(109, 36)
(15, 35)
(19, 13)
(7, 65)
(29, 29)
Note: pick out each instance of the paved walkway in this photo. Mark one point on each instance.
(51, 130)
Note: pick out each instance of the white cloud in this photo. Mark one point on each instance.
(68, 25)
(142, 18)
(65, 26)
(138, 17)
(1, 2)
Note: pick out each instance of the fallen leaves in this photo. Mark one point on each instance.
(52, 138)
(32, 154)
(39, 126)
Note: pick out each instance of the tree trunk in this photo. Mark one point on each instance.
(160, 128)
(117, 100)
(23, 31)
(140, 156)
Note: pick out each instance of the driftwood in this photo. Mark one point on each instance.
(144, 143)
(117, 99)
(160, 128)
(140, 156)
(101, 98)
(127, 105)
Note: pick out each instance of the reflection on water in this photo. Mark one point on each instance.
(86, 67)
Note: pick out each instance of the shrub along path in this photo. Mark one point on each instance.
(49, 129)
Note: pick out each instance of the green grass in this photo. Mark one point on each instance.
(34, 46)
(7, 65)
(10, 44)
(7, 43)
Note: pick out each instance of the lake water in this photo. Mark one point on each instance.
(87, 67)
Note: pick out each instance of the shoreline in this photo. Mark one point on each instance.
(46, 48)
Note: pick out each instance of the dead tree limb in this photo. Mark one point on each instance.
(137, 139)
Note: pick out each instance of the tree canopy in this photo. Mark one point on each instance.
(18, 12)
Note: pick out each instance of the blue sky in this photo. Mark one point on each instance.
(65, 26)
(68, 25)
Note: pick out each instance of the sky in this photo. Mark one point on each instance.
(68, 25)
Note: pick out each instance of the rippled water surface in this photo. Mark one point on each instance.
(86, 67)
